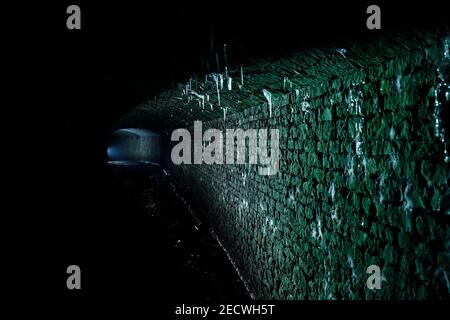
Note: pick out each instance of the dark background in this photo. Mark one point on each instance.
(63, 90)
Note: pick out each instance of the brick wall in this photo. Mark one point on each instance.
(362, 180)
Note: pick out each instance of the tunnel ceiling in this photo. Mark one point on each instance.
(282, 77)
(136, 132)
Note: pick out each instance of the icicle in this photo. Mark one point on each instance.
(268, 96)
(225, 58)
(224, 114)
(226, 72)
(242, 76)
(217, 88)
(229, 80)
(221, 81)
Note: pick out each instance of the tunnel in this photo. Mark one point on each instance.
(207, 154)
(363, 167)
(132, 144)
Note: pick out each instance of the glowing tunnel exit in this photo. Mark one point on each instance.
(134, 145)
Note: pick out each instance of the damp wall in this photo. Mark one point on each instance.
(362, 180)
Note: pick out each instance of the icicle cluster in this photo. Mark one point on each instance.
(268, 96)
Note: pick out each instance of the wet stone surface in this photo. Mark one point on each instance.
(198, 268)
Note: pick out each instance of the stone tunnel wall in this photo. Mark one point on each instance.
(362, 181)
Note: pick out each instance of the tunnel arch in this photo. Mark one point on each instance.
(134, 145)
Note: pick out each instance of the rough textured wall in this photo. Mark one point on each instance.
(362, 181)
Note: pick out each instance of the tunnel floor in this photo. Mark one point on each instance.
(199, 269)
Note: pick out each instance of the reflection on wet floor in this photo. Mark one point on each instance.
(200, 268)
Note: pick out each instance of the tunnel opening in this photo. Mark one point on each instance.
(133, 146)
